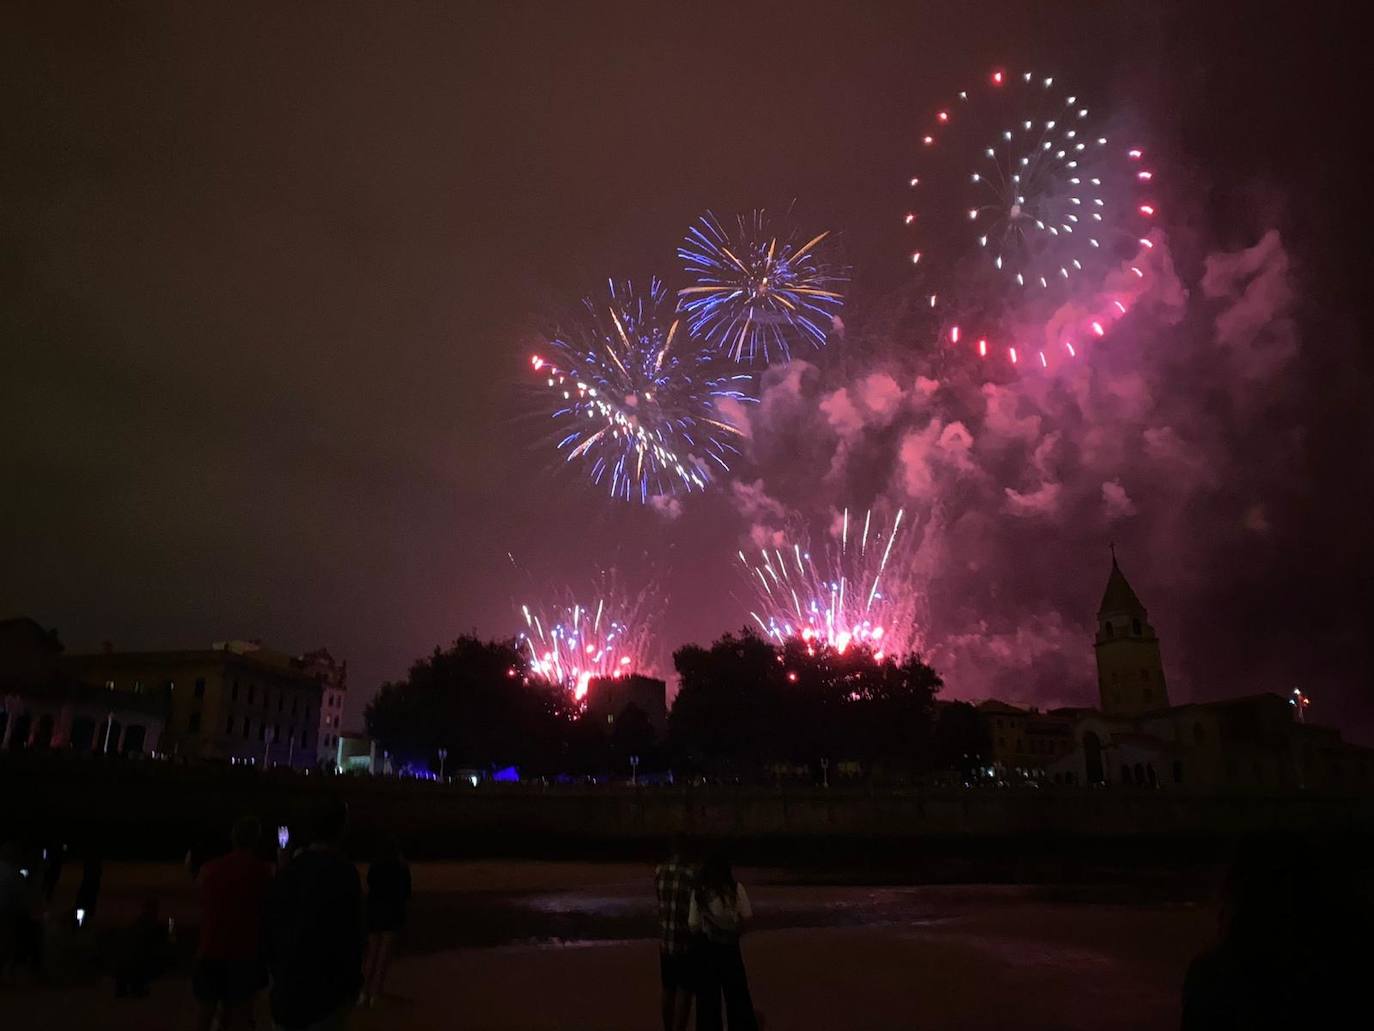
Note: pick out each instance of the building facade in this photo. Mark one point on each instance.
(609, 697)
(234, 701)
(333, 678)
(1136, 738)
(1025, 742)
(43, 706)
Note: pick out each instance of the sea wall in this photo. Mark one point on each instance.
(142, 808)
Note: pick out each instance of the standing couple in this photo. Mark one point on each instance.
(701, 914)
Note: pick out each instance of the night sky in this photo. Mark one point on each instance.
(269, 279)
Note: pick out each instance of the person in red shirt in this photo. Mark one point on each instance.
(230, 969)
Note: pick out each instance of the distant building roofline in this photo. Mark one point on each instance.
(183, 657)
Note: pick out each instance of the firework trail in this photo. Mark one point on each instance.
(605, 633)
(1023, 206)
(638, 398)
(858, 592)
(759, 290)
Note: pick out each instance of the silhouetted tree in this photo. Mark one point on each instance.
(633, 734)
(478, 700)
(744, 703)
(726, 708)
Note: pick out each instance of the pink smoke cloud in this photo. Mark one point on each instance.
(842, 414)
(1116, 503)
(1014, 485)
(666, 505)
(1255, 285)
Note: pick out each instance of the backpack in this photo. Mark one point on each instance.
(720, 924)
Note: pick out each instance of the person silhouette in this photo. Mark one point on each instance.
(229, 969)
(1292, 931)
(674, 881)
(315, 931)
(388, 896)
(719, 911)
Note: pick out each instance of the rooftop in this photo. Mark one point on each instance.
(1119, 597)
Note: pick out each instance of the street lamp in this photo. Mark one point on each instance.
(443, 754)
(1299, 702)
(634, 769)
(825, 773)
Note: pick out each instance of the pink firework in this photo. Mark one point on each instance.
(854, 589)
(571, 641)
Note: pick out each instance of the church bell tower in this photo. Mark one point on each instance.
(1130, 672)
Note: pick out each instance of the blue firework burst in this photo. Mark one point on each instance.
(759, 291)
(638, 398)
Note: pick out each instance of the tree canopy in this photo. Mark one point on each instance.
(478, 700)
(746, 701)
(745, 706)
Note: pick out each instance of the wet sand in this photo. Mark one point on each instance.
(569, 946)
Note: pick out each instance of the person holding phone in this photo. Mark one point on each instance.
(315, 930)
(229, 970)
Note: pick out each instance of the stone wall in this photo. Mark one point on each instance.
(155, 808)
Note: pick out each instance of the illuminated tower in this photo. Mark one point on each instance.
(1130, 673)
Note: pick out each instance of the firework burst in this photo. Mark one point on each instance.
(758, 291)
(638, 400)
(1025, 205)
(572, 640)
(857, 592)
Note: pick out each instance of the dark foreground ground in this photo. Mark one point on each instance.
(528, 945)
